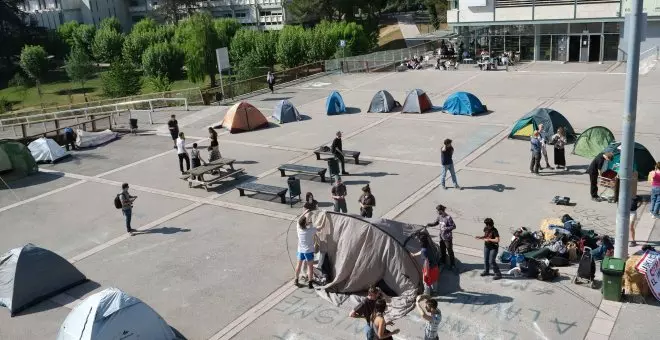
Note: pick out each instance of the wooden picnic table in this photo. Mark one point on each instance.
(215, 171)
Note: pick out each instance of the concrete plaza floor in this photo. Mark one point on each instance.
(219, 266)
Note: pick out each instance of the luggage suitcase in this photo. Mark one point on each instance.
(586, 268)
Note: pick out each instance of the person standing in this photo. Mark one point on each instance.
(379, 323)
(430, 314)
(338, 151)
(505, 61)
(446, 154)
(173, 126)
(535, 163)
(306, 234)
(70, 139)
(214, 148)
(634, 204)
(544, 139)
(127, 206)
(339, 196)
(366, 309)
(195, 159)
(430, 263)
(594, 170)
(559, 141)
(182, 153)
(654, 178)
(491, 239)
(270, 79)
(447, 226)
(367, 202)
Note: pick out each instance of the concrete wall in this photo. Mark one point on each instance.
(652, 39)
(553, 12)
(513, 13)
(476, 14)
(597, 10)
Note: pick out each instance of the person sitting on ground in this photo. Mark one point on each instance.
(431, 314)
(605, 247)
(379, 323)
(310, 202)
(306, 234)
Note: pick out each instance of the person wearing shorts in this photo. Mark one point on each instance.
(636, 202)
(173, 126)
(306, 232)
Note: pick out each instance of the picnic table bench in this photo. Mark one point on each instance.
(216, 170)
(262, 189)
(303, 169)
(354, 154)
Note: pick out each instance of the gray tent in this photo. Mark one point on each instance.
(383, 102)
(112, 314)
(417, 101)
(285, 112)
(359, 253)
(29, 275)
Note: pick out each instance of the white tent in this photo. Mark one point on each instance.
(112, 314)
(87, 139)
(47, 150)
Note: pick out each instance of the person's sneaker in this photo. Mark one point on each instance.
(458, 187)
(444, 187)
(296, 283)
(484, 274)
(345, 173)
(309, 285)
(595, 199)
(549, 167)
(497, 277)
(633, 244)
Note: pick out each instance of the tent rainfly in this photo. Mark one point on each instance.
(417, 102)
(285, 112)
(112, 314)
(334, 104)
(551, 121)
(463, 104)
(593, 141)
(47, 150)
(383, 102)
(643, 161)
(16, 160)
(86, 139)
(29, 275)
(243, 117)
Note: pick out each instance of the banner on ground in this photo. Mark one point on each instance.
(653, 278)
(646, 261)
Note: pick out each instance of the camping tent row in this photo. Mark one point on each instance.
(417, 101)
(244, 117)
(16, 160)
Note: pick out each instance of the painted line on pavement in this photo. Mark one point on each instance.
(46, 194)
(451, 121)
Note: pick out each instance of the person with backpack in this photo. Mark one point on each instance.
(447, 226)
(491, 239)
(366, 309)
(337, 150)
(124, 201)
(430, 314)
(430, 266)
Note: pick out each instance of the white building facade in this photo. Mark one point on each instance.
(550, 30)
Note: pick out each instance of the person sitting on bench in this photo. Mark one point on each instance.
(338, 153)
(196, 160)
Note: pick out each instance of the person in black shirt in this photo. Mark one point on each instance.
(337, 150)
(339, 196)
(366, 309)
(367, 202)
(173, 126)
(594, 170)
(446, 154)
(491, 247)
(636, 202)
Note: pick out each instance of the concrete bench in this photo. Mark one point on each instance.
(303, 169)
(347, 153)
(262, 189)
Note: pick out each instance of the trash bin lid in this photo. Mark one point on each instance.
(612, 265)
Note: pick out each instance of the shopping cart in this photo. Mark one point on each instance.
(607, 181)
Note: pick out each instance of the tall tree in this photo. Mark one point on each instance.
(173, 10)
(290, 46)
(198, 39)
(107, 45)
(242, 45)
(83, 38)
(110, 23)
(34, 63)
(12, 35)
(162, 59)
(121, 80)
(80, 68)
(66, 32)
(226, 30)
(265, 48)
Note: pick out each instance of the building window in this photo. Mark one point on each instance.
(241, 14)
(134, 3)
(264, 13)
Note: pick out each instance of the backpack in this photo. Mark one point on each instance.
(118, 204)
(546, 273)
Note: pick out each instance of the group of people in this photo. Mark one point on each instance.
(195, 158)
(539, 141)
(415, 63)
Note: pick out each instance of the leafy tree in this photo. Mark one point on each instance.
(145, 25)
(121, 80)
(242, 45)
(249, 67)
(80, 68)
(198, 39)
(107, 45)
(136, 43)
(162, 60)
(308, 11)
(160, 84)
(320, 44)
(110, 23)
(83, 38)
(173, 10)
(33, 61)
(265, 48)
(13, 32)
(290, 46)
(66, 32)
(21, 83)
(226, 30)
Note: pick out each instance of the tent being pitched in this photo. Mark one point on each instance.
(29, 275)
(17, 159)
(243, 117)
(285, 112)
(416, 102)
(593, 141)
(382, 102)
(112, 314)
(464, 104)
(47, 150)
(643, 161)
(360, 253)
(334, 104)
(550, 119)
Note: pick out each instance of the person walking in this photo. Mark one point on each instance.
(70, 138)
(173, 126)
(270, 79)
(447, 226)
(634, 204)
(654, 178)
(367, 202)
(366, 309)
(446, 154)
(431, 314)
(379, 323)
(127, 206)
(491, 239)
(559, 141)
(339, 196)
(182, 153)
(535, 163)
(338, 151)
(594, 170)
(544, 139)
(306, 234)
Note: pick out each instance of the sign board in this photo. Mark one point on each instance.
(342, 43)
(222, 56)
(653, 278)
(646, 261)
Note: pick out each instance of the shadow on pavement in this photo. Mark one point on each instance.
(163, 230)
(36, 179)
(494, 187)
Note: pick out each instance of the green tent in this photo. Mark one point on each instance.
(643, 161)
(592, 141)
(20, 158)
(551, 120)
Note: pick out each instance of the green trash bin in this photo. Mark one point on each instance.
(333, 167)
(612, 269)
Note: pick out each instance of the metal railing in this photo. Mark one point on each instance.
(645, 54)
(379, 60)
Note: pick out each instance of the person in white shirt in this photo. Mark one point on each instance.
(306, 234)
(505, 61)
(182, 153)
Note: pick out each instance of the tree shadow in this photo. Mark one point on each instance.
(494, 187)
(14, 182)
(375, 174)
(325, 204)
(577, 167)
(77, 90)
(275, 99)
(560, 172)
(77, 158)
(162, 230)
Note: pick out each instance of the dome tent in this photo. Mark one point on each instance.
(463, 104)
(417, 101)
(643, 161)
(112, 314)
(550, 119)
(383, 102)
(29, 275)
(592, 141)
(16, 159)
(243, 117)
(47, 150)
(285, 112)
(334, 104)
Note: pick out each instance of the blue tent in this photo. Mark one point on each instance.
(464, 104)
(285, 112)
(334, 104)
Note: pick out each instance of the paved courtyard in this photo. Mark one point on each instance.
(219, 266)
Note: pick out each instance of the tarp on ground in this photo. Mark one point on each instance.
(334, 104)
(551, 121)
(30, 274)
(382, 102)
(593, 141)
(111, 315)
(643, 161)
(86, 139)
(358, 253)
(416, 102)
(464, 104)
(16, 160)
(243, 117)
(285, 112)
(47, 150)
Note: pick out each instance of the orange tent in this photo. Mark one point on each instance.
(243, 117)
